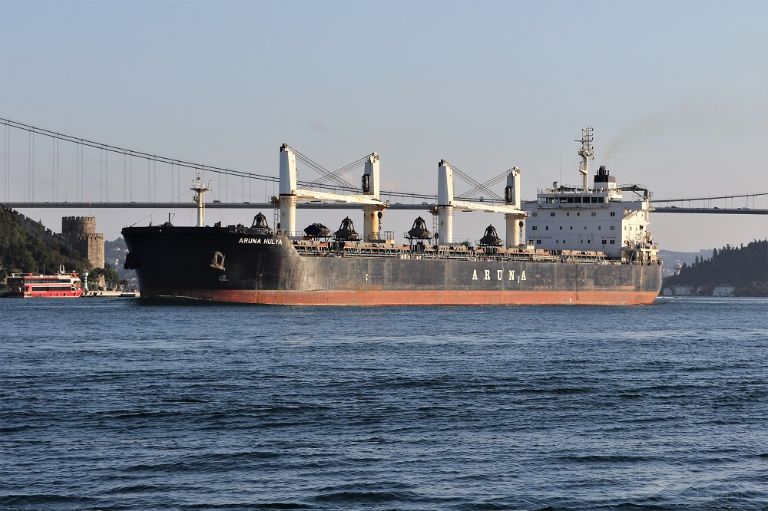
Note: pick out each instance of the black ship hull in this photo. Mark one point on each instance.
(234, 265)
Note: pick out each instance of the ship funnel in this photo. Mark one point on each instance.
(604, 180)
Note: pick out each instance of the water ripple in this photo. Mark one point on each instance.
(476, 408)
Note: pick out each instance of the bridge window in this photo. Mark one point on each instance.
(570, 200)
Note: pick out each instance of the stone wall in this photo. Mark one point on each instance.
(80, 231)
(78, 225)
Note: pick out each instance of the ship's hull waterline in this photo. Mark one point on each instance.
(234, 265)
(363, 298)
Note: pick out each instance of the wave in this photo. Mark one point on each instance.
(43, 498)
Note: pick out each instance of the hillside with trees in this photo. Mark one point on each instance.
(737, 271)
(26, 245)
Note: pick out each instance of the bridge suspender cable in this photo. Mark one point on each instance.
(712, 198)
(131, 152)
(335, 176)
(81, 143)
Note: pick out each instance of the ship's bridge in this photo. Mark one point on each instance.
(567, 217)
(554, 199)
(604, 190)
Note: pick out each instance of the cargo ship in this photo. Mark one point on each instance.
(573, 245)
(37, 285)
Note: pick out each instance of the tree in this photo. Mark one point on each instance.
(108, 274)
(745, 269)
(26, 245)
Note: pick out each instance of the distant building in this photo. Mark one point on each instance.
(680, 291)
(81, 233)
(723, 291)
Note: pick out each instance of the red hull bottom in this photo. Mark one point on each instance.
(46, 295)
(380, 297)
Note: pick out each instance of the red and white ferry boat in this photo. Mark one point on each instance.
(36, 285)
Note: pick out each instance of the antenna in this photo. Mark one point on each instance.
(587, 153)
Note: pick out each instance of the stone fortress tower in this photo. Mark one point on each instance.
(80, 231)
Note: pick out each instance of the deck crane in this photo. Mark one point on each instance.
(291, 194)
(447, 203)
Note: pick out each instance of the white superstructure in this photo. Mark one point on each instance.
(591, 219)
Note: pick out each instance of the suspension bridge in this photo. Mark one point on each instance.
(41, 168)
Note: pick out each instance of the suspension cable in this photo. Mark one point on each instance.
(713, 198)
(82, 143)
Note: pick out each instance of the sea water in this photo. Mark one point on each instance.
(113, 404)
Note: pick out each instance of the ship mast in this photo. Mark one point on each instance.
(199, 187)
(587, 153)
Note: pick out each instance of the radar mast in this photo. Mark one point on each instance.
(587, 153)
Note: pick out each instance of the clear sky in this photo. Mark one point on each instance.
(677, 93)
